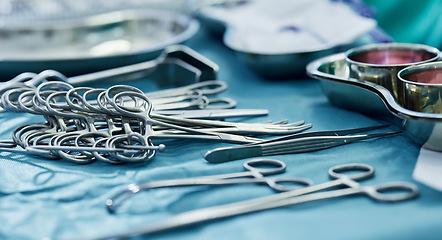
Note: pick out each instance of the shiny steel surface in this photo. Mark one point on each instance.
(379, 63)
(422, 87)
(88, 44)
(343, 177)
(372, 99)
(80, 122)
(296, 143)
(255, 172)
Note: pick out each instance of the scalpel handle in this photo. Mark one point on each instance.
(220, 155)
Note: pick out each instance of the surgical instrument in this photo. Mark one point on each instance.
(125, 149)
(295, 143)
(184, 59)
(213, 113)
(207, 88)
(193, 96)
(237, 128)
(203, 69)
(108, 120)
(257, 169)
(386, 192)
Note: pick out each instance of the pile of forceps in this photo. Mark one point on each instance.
(345, 175)
(115, 125)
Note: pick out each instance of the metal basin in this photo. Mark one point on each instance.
(372, 99)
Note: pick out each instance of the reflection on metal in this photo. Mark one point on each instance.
(374, 100)
(84, 44)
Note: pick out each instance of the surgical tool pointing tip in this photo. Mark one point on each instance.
(295, 143)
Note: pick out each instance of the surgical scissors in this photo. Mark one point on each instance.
(257, 169)
(386, 192)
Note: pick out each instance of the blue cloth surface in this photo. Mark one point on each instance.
(56, 199)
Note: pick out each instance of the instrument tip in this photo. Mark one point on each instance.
(161, 147)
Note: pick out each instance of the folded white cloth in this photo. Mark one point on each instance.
(287, 26)
(428, 169)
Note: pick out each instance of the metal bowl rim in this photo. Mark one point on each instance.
(424, 66)
(395, 45)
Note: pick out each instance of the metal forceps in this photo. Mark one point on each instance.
(193, 96)
(142, 111)
(206, 88)
(295, 143)
(114, 125)
(399, 191)
(256, 169)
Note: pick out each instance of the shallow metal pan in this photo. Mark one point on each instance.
(82, 45)
(374, 100)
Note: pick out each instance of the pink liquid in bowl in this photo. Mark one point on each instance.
(429, 76)
(392, 56)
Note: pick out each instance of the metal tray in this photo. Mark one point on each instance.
(332, 71)
(80, 45)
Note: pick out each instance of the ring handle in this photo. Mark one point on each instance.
(296, 183)
(111, 92)
(392, 191)
(139, 111)
(207, 87)
(220, 103)
(260, 166)
(336, 172)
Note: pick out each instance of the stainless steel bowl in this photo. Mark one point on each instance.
(380, 63)
(374, 100)
(421, 87)
(81, 45)
(276, 65)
